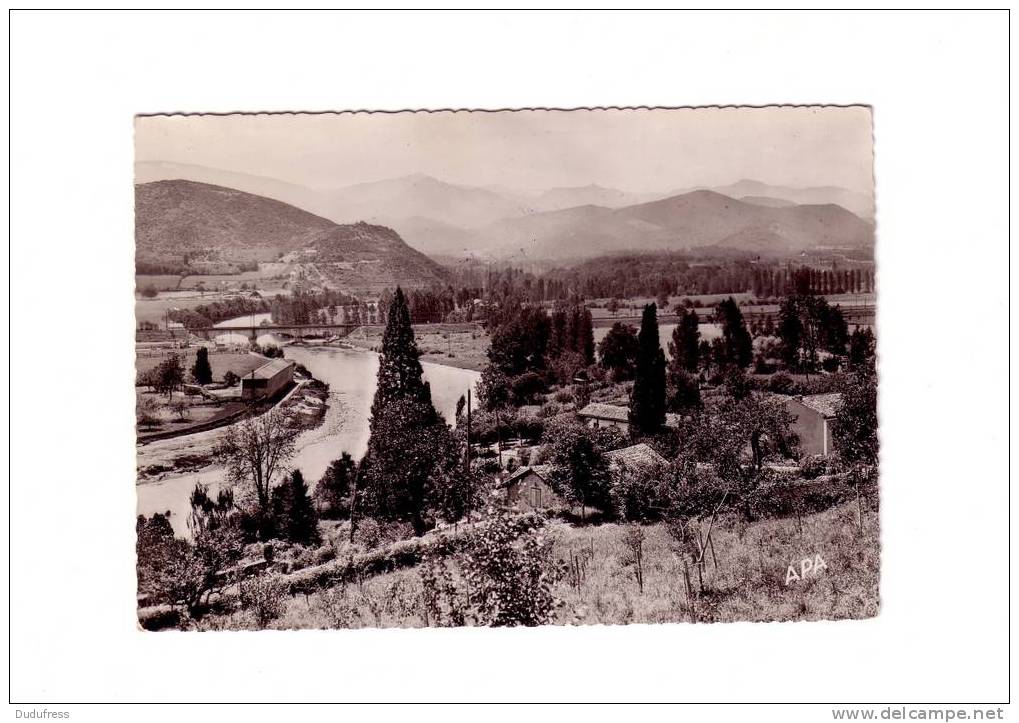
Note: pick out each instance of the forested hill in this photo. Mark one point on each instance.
(184, 219)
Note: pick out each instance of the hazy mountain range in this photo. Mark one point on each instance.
(443, 219)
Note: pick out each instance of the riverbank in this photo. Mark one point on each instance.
(349, 375)
(157, 459)
(462, 346)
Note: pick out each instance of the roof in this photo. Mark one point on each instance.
(270, 369)
(541, 470)
(605, 411)
(639, 455)
(824, 404)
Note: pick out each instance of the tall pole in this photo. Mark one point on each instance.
(470, 490)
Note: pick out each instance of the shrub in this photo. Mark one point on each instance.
(563, 396)
(525, 388)
(641, 493)
(265, 596)
(231, 379)
(508, 572)
(814, 466)
(781, 383)
(549, 409)
(368, 533)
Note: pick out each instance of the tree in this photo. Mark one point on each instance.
(642, 493)
(400, 375)
(736, 437)
(409, 449)
(618, 350)
(737, 343)
(854, 432)
(685, 391)
(790, 332)
(862, 347)
(647, 401)
(612, 306)
(202, 370)
(333, 491)
(684, 349)
(493, 388)
(580, 471)
(169, 376)
(256, 451)
(585, 336)
(520, 342)
(293, 512)
(181, 573)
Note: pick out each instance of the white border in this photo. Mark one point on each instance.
(938, 86)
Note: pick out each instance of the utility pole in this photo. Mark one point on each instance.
(470, 490)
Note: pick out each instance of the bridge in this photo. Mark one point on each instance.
(295, 331)
(301, 331)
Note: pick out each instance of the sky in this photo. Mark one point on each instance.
(632, 150)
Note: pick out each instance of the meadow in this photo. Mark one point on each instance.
(745, 576)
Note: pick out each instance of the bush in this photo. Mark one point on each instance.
(231, 379)
(265, 597)
(525, 388)
(549, 409)
(781, 383)
(641, 493)
(814, 466)
(508, 572)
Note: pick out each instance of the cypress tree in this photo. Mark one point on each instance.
(406, 435)
(400, 373)
(647, 401)
(202, 371)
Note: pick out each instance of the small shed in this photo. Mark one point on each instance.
(527, 488)
(813, 415)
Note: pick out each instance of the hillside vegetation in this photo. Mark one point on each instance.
(178, 223)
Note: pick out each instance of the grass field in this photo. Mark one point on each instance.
(746, 578)
(451, 344)
(239, 364)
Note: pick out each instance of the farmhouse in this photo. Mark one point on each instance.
(812, 421)
(266, 380)
(528, 489)
(596, 416)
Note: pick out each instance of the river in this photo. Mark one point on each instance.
(350, 374)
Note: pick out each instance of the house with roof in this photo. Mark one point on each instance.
(636, 456)
(528, 489)
(598, 415)
(812, 421)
